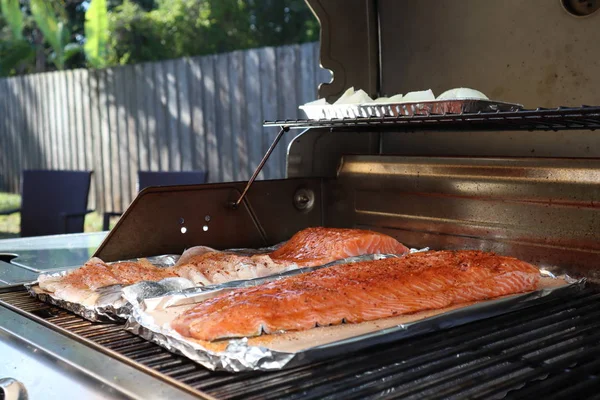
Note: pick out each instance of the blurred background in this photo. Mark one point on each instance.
(118, 87)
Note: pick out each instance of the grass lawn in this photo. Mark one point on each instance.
(9, 224)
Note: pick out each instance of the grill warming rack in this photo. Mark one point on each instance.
(545, 119)
(551, 348)
(561, 118)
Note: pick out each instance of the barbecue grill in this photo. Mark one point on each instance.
(522, 183)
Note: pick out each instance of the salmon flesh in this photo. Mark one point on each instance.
(205, 266)
(78, 286)
(307, 248)
(318, 246)
(358, 292)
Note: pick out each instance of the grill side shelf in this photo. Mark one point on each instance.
(110, 339)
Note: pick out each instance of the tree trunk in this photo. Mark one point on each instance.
(40, 52)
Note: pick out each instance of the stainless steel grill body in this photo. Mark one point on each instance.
(526, 185)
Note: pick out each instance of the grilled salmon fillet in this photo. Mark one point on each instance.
(307, 248)
(79, 285)
(317, 246)
(358, 292)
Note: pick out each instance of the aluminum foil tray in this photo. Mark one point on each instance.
(151, 318)
(111, 306)
(464, 106)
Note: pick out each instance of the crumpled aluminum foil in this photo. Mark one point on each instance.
(424, 107)
(239, 355)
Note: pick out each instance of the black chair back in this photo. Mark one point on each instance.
(162, 178)
(54, 202)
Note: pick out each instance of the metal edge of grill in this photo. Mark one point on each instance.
(110, 339)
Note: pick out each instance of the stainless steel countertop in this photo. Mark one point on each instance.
(52, 366)
(22, 259)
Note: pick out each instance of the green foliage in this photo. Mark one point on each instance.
(47, 23)
(13, 16)
(14, 53)
(55, 32)
(83, 33)
(9, 201)
(14, 49)
(71, 50)
(178, 28)
(96, 33)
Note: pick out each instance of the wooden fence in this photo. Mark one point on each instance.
(200, 113)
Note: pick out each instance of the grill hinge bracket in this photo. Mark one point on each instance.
(260, 166)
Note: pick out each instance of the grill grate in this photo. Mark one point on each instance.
(562, 118)
(550, 349)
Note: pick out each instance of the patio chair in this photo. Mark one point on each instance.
(53, 202)
(161, 178)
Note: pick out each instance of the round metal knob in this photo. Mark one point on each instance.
(581, 8)
(12, 389)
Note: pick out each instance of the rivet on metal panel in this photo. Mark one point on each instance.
(304, 199)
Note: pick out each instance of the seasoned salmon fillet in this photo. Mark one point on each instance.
(358, 292)
(79, 285)
(219, 267)
(318, 246)
(307, 248)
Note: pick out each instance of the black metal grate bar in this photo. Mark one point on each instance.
(547, 350)
(561, 118)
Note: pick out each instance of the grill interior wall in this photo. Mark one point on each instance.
(544, 210)
(531, 52)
